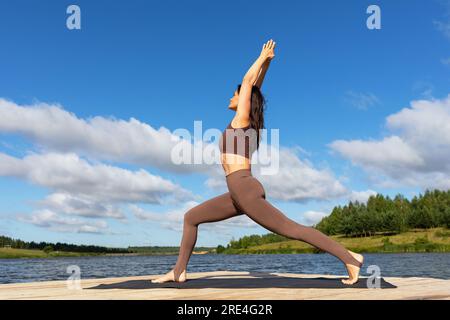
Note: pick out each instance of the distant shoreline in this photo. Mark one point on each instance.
(152, 254)
(436, 240)
(12, 253)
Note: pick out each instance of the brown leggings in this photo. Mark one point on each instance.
(247, 196)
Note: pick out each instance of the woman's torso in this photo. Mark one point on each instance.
(236, 158)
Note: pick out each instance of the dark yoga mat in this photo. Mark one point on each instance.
(260, 280)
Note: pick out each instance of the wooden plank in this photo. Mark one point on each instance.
(229, 285)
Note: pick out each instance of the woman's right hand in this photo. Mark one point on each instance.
(267, 52)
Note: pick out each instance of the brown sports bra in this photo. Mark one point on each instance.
(240, 141)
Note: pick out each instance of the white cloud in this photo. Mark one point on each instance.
(298, 180)
(313, 217)
(424, 88)
(444, 27)
(69, 204)
(69, 174)
(392, 153)
(361, 196)
(416, 155)
(361, 100)
(55, 222)
(55, 129)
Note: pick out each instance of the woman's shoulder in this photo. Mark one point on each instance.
(239, 123)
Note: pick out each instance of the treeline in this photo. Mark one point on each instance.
(64, 247)
(384, 215)
(250, 241)
(46, 246)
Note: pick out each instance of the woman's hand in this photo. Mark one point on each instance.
(267, 52)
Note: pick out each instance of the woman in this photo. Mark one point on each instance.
(246, 194)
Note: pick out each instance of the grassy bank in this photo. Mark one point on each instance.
(11, 253)
(430, 240)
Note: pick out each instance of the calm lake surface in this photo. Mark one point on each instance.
(435, 265)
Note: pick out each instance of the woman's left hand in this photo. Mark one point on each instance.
(267, 52)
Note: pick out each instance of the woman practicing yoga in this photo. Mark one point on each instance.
(246, 194)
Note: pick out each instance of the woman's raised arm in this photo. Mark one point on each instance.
(251, 78)
(267, 54)
(262, 73)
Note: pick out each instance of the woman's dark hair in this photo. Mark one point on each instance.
(258, 106)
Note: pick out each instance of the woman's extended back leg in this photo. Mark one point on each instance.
(250, 197)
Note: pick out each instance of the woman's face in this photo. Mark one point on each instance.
(234, 101)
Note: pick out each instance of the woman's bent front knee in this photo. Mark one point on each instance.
(191, 217)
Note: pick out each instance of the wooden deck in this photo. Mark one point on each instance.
(231, 285)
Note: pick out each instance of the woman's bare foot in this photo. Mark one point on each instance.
(353, 271)
(170, 276)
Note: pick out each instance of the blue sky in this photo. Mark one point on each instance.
(365, 106)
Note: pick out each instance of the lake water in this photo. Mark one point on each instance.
(435, 265)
